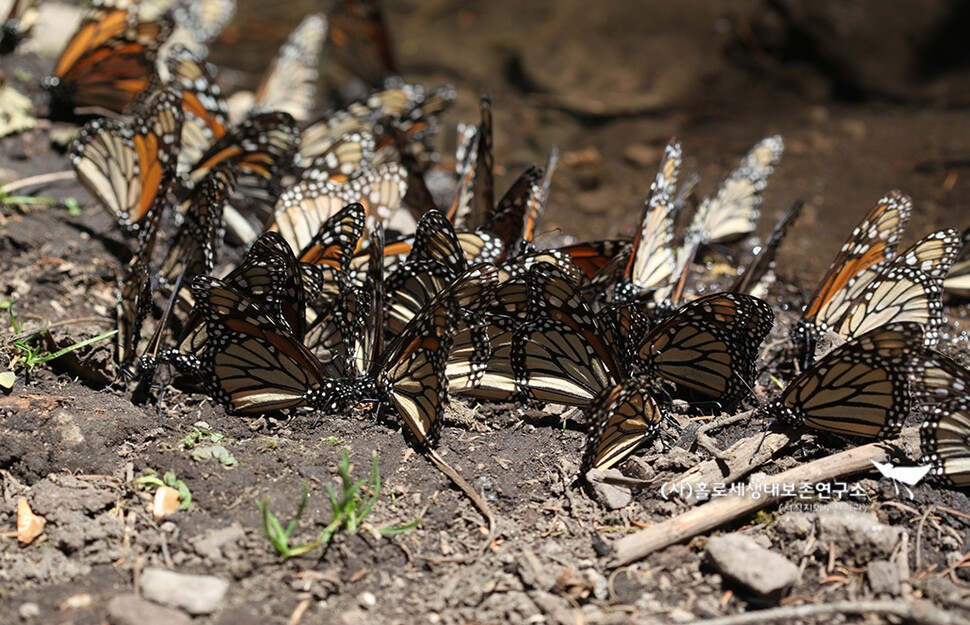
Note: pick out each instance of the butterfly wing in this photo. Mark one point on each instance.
(621, 419)
(860, 388)
(129, 168)
(709, 346)
(290, 84)
(734, 211)
(110, 60)
(941, 387)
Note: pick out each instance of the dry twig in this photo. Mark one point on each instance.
(725, 509)
(915, 612)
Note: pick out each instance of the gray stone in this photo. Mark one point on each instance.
(196, 594)
(610, 496)
(883, 577)
(128, 609)
(745, 562)
(212, 544)
(28, 610)
(856, 535)
(798, 524)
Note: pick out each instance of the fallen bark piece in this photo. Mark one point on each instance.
(724, 509)
(743, 561)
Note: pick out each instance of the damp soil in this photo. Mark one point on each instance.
(608, 87)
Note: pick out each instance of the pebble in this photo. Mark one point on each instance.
(367, 600)
(127, 609)
(883, 577)
(742, 560)
(855, 534)
(196, 594)
(611, 496)
(28, 610)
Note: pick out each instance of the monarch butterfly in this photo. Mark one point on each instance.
(290, 83)
(263, 146)
(135, 299)
(203, 105)
(204, 19)
(345, 156)
(941, 385)
(411, 372)
(129, 168)
(870, 246)
(334, 244)
(360, 41)
(110, 60)
(561, 353)
(254, 364)
(860, 388)
(957, 280)
(749, 280)
(303, 207)
(194, 247)
(435, 260)
(621, 418)
(734, 211)
(267, 275)
(708, 347)
(321, 138)
(480, 364)
(653, 259)
(908, 288)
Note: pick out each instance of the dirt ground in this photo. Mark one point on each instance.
(866, 102)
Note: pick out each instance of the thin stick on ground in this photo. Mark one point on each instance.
(726, 509)
(476, 498)
(914, 612)
(38, 181)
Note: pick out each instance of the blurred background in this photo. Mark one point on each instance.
(867, 99)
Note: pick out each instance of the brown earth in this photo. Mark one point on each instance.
(866, 102)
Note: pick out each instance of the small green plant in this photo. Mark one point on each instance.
(29, 356)
(205, 444)
(350, 508)
(169, 479)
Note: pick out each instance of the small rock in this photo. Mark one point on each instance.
(28, 610)
(742, 560)
(196, 594)
(611, 496)
(856, 534)
(679, 615)
(128, 609)
(798, 524)
(883, 577)
(67, 427)
(367, 600)
(212, 544)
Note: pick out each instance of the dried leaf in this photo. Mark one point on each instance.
(29, 525)
(166, 502)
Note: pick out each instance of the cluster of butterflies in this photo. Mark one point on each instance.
(344, 299)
